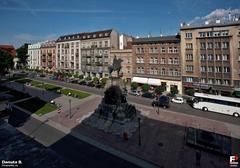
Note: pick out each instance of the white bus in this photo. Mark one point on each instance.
(217, 103)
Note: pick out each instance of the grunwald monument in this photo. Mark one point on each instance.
(114, 115)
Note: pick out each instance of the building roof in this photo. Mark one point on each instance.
(9, 49)
(160, 39)
(48, 44)
(209, 25)
(85, 35)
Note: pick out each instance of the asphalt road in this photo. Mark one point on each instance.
(181, 108)
(81, 154)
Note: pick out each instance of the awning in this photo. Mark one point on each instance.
(140, 80)
(155, 82)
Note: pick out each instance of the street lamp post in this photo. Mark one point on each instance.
(139, 132)
(70, 113)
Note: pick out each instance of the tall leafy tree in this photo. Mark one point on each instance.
(6, 62)
(22, 54)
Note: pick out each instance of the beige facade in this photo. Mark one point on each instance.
(126, 56)
(95, 52)
(48, 57)
(211, 57)
(156, 61)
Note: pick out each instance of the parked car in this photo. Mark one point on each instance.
(178, 100)
(134, 93)
(90, 83)
(82, 82)
(53, 77)
(163, 101)
(42, 75)
(148, 95)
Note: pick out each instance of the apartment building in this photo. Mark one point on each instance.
(156, 61)
(34, 53)
(68, 53)
(95, 52)
(211, 57)
(48, 57)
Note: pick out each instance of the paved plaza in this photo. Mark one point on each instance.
(162, 132)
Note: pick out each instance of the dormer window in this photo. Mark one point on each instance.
(88, 36)
(106, 34)
(100, 35)
(84, 37)
(94, 36)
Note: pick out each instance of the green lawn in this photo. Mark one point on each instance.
(51, 87)
(75, 93)
(37, 106)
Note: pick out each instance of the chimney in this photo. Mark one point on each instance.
(229, 16)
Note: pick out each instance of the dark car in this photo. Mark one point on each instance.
(90, 84)
(82, 82)
(148, 95)
(163, 101)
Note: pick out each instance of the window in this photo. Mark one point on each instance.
(188, 35)
(175, 61)
(217, 45)
(218, 69)
(226, 82)
(210, 57)
(170, 61)
(189, 46)
(155, 60)
(170, 50)
(224, 33)
(218, 57)
(162, 50)
(226, 69)
(210, 69)
(203, 68)
(203, 80)
(58, 45)
(225, 45)
(189, 57)
(225, 57)
(218, 82)
(203, 57)
(189, 68)
(163, 61)
(209, 34)
(209, 45)
(210, 81)
(201, 34)
(175, 50)
(202, 46)
(189, 79)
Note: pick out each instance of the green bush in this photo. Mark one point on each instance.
(145, 87)
(190, 92)
(159, 90)
(88, 78)
(134, 85)
(174, 90)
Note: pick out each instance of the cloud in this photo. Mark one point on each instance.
(30, 38)
(221, 14)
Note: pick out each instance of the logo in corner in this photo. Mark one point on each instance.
(234, 160)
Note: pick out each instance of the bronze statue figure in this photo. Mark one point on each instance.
(116, 66)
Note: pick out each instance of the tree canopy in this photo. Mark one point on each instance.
(6, 62)
(22, 54)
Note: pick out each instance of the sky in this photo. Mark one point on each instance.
(29, 21)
